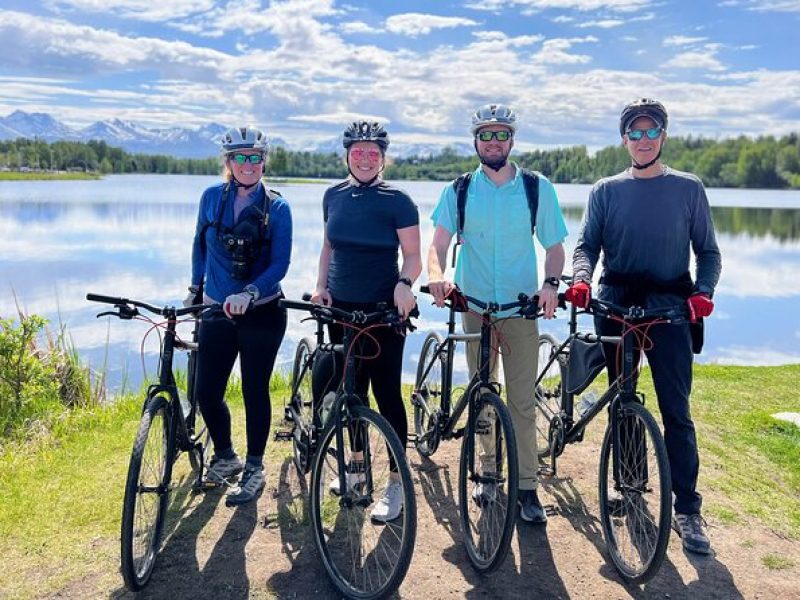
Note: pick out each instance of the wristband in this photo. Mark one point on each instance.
(405, 280)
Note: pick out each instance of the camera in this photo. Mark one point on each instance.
(242, 251)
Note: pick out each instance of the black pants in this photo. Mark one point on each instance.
(670, 361)
(255, 337)
(382, 372)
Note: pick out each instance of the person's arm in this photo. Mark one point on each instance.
(198, 244)
(587, 250)
(437, 264)
(553, 267)
(704, 245)
(321, 294)
(404, 298)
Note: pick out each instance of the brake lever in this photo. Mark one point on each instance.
(108, 313)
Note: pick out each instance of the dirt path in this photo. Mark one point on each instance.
(222, 553)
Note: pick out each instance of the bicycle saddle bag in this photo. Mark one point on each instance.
(585, 363)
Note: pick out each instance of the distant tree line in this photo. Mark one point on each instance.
(764, 162)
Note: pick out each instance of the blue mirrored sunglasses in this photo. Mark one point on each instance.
(636, 134)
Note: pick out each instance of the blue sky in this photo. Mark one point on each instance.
(301, 69)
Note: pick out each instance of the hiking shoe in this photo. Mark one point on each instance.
(389, 506)
(530, 509)
(250, 486)
(221, 469)
(484, 493)
(691, 529)
(355, 477)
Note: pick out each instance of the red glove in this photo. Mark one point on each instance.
(579, 294)
(700, 305)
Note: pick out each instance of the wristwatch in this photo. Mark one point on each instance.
(405, 280)
(253, 291)
(552, 281)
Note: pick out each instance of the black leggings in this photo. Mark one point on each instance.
(255, 337)
(383, 372)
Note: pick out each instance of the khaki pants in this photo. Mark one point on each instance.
(518, 340)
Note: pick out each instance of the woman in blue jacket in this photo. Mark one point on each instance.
(241, 252)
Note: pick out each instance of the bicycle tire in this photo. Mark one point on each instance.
(199, 436)
(636, 513)
(364, 559)
(549, 392)
(487, 519)
(427, 402)
(302, 402)
(146, 494)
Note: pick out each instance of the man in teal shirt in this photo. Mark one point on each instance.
(497, 261)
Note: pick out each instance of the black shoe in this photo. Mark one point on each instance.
(530, 509)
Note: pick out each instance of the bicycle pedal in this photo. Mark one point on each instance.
(546, 472)
(283, 436)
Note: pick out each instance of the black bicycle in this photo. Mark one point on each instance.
(168, 426)
(634, 476)
(488, 451)
(353, 454)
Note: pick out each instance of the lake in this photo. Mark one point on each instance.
(130, 235)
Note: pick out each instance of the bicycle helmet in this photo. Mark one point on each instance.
(494, 114)
(243, 138)
(643, 107)
(365, 131)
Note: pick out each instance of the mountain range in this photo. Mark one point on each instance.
(180, 142)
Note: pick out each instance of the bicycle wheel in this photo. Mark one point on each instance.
(146, 494)
(364, 558)
(487, 482)
(549, 391)
(427, 398)
(635, 504)
(302, 402)
(199, 437)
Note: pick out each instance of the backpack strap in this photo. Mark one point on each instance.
(271, 196)
(461, 187)
(531, 182)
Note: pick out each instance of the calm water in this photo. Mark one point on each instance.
(131, 236)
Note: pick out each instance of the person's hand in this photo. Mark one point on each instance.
(189, 300)
(548, 300)
(321, 296)
(579, 294)
(439, 290)
(237, 304)
(404, 299)
(700, 305)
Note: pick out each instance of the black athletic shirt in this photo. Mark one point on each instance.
(361, 224)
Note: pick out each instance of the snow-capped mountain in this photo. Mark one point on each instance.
(181, 142)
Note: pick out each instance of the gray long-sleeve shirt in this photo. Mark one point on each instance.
(647, 227)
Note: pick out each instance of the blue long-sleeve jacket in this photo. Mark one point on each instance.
(212, 263)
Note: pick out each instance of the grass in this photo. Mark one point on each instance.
(61, 493)
(46, 175)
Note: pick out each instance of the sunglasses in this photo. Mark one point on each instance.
(358, 154)
(636, 134)
(253, 159)
(488, 136)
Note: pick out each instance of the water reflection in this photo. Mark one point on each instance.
(131, 236)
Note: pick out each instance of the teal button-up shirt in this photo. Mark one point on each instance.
(497, 259)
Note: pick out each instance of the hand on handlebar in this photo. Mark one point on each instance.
(237, 304)
(579, 294)
(548, 301)
(404, 300)
(440, 290)
(700, 305)
(321, 296)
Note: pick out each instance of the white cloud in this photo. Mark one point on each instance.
(353, 27)
(539, 5)
(764, 356)
(415, 24)
(338, 118)
(142, 10)
(775, 5)
(682, 40)
(555, 51)
(602, 24)
(696, 60)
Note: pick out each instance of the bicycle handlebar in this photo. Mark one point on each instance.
(528, 305)
(329, 314)
(127, 308)
(676, 314)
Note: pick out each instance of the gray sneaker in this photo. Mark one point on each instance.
(691, 529)
(250, 486)
(221, 469)
(530, 509)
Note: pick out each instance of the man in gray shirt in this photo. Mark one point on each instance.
(646, 220)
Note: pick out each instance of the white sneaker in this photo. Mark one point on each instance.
(354, 477)
(484, 493)
(389, 506)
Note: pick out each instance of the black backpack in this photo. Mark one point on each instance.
(461, 185)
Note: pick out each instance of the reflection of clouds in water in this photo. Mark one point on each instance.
(759, 267)
(753, 355)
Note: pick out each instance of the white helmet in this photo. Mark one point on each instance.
(494, 114)
(243, 138)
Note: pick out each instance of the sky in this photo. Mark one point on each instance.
(302, 69)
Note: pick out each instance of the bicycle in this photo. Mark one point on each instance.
(490, 465)
(347, 446)
(634, 476)
(168, 426)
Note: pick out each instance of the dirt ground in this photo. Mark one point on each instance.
(265, 549)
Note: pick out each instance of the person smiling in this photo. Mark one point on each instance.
(241, 252)
(647, 221)
(366, 221)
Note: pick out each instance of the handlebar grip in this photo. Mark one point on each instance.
(425, 289)
(307, 296)
(106, 299)
(283, 302)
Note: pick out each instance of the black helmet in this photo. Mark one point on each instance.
(643, 107)
(365, 131)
